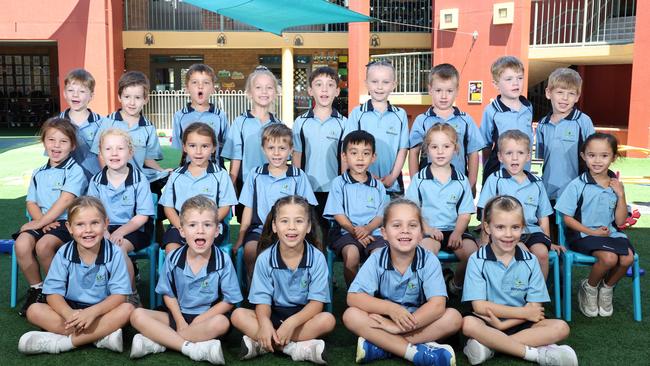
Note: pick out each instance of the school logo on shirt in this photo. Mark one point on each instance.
(285, 188)
(332, 135)
(303, 283)
(530, 200)
(100, 277)
(453, 198)
(205, 190)
(57, 185)
(392, 130)
(125, 198)
(370, 202)
(138, 142)
(411, 286)
(519, 285)
(204, 284)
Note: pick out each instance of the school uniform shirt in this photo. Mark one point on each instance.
(516, 284)
(441, 203)
(320, 145)
(360, 202)
(197, 293)
(530, 193)
(214, 183)
(559, 145)
(276, 284)
(591, 204)
(132, 197)
(213, 117)
(145, 142)
(261, 190)
(390, 130)
(88, 283)
(244, 142)
(49, 182)
(422, 280)
(470, 139)
(85, 135)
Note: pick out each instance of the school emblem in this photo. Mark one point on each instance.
(519, 283)
(100, 277)
(303, 283)
(204, 284)
(391, 130)
(206, 190)
(285, 187)
(125, 198)
(410, 286)
(332, 135)
(530, 200)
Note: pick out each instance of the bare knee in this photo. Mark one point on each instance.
(541, 252)
(353, 317)
(325, 322)
(219, 323)
(626, 260)
(608, 259)
(238, 317)
(561, 328)
(351, 256)
(454, 319)
(24, 245)
(46, 248)
(470, 325)
(124, 310)
(138, 317)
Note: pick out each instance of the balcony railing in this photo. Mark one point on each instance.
(411, 70)
(582, 22)
(175, 15)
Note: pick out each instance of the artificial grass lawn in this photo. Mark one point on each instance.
(598, 341)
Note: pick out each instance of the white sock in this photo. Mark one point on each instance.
(37, 285)
(605, 285)
(531, 354)
(187, 348)
(65, 344)
(289, 348)
(411, 350)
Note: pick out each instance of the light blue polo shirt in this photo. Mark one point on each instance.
(469, 138)
(87, 283)
(421, 281)
(530, 193)
(360, 202)
(559, 146)
(213, 117)
(122, 203)
(85, 135)
(213, 183)
(197, 293)
(391, 132)
(441, 203)
(320, 145)
(48, 182)
(276, 284)
(591, 204)
(145, 142)
(261, 190)
(517, 284)
(244, 142)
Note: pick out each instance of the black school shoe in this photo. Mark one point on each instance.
(34, 295)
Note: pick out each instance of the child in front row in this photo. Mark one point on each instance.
(51, 190)
(398, 299)
(506, 288)
(289, 288)
(86, 289)
(199, 286)
(200, 175)
(445, 196)
(593, 205)
(356, 203)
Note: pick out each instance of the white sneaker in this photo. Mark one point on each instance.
(143, 346)
(605, 295)
(554, 355)
(250, 348)
(208, 351)
(476, 352)
(588, 299)
(312, 350)
(112, 342)
(39, 342)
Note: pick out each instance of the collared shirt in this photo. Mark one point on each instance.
(421, 281)
(213, 117)
(320, 145)
(530, 193)
(441, 203)
(516, 284)
(244, 142)
(122, 203)
(197, 292)
(213, 183)
(87, 283)
(360, 202)
(591, 204)
(145, 142)
(261, 190)
(559, 144)
(470, 139)
(48, 182)
(390, 129)
(86, 132)
(276, 284)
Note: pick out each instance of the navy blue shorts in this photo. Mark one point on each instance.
(536, 238)
(281, 313)
(60, 232)
(590, 244)
(348, 239)
(252, 235)
(189, 318)
(76, 305)
(139, 239)
(512, 330)
(445, 239)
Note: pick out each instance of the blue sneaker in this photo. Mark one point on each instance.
(368, 352)
(436, 354)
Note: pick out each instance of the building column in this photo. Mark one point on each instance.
(638, 133)
(287, 86)
(358, 54)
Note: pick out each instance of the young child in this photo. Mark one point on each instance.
(506, 288)
(443, 88)
(289, 287)
(317, 137)
(593, 206)
(199, 176)
(199, 83)
(386, 122)
(199, 286)
(397, 301)
(509, 111)
(265, 185)
(513, 180)
(124, 192)
(446, 200)
(78, 92)
(52, 189)
(356, 202)
(561, 134)
(86, 289)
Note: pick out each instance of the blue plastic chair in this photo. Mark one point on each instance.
(571, 259)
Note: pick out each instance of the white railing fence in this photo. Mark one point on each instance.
(411, 70)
